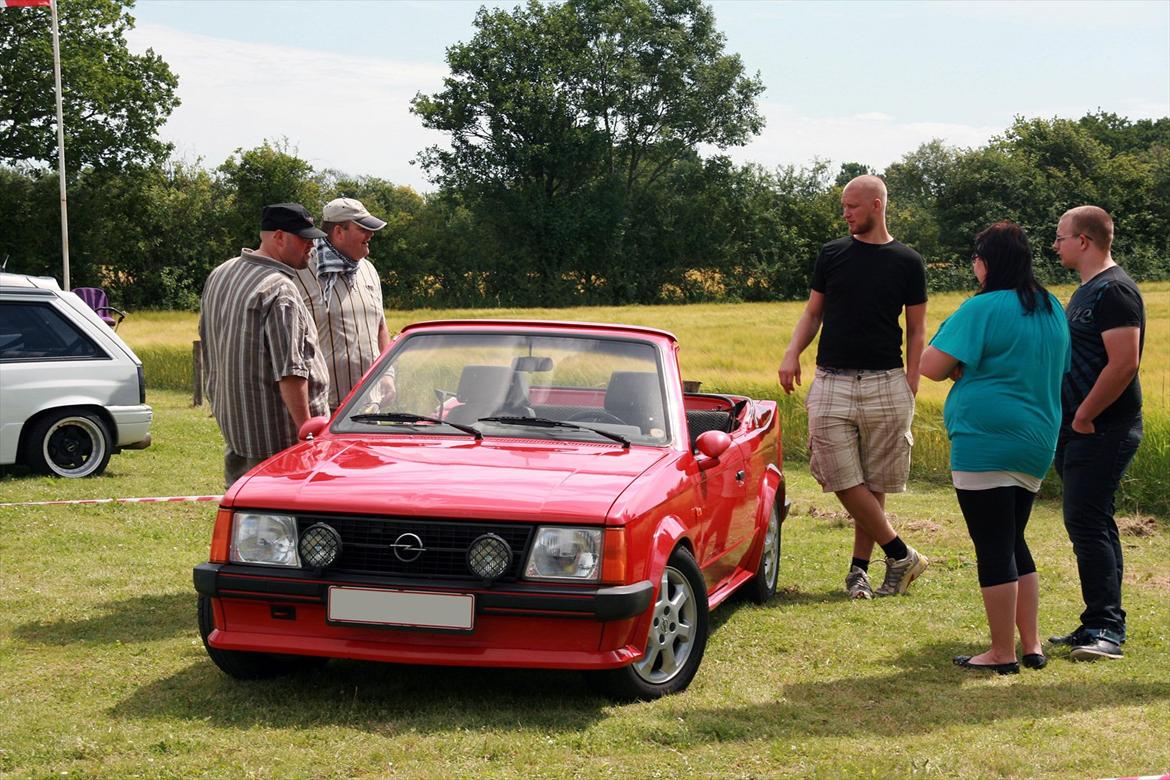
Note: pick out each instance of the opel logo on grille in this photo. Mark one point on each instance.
(408, 547)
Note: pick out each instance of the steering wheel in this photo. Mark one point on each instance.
(596, 416)
(514, 411)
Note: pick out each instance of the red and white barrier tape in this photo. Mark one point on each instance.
(147, 500)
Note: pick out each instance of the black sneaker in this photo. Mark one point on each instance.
(1073, 639)
(1096, 648)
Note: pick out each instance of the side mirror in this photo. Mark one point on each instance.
(312, 427)
(713, 443)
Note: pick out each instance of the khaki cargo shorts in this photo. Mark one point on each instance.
(859, 429)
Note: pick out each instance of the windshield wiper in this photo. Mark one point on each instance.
(544, 422)
(406, 417)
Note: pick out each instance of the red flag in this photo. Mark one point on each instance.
(24, 3)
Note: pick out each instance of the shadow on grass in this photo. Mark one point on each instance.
(928, 693)
(387, 698)
(139, 619)
(381, 697)
(925, 695)
(794, 596)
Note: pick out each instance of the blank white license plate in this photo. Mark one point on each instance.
(402, 608)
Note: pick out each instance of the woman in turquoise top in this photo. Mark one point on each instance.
(1006, 349)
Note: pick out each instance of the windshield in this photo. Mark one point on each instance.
(430, 380)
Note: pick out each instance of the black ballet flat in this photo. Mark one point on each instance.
(1035, 660)
(1012, 667)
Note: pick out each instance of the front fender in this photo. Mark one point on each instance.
(669, 533)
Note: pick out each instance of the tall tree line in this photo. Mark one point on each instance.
(706, 230)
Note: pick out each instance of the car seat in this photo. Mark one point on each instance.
(636, 398)
(482, 390)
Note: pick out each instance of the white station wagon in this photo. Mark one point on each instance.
(71, 392)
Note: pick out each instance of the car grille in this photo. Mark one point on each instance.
(380, 545)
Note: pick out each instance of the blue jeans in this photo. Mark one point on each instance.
(1091, 467)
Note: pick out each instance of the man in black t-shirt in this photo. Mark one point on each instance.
(861, 402)
(1102, 425)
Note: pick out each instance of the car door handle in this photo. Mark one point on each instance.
(739, 475)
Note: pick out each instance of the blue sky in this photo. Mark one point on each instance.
(846, 81)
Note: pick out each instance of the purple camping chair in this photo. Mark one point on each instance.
(95, 298)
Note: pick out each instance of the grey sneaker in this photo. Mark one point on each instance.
(857, 584)
(1096, 648)
(899, 574)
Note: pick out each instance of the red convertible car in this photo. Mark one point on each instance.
(502, 493)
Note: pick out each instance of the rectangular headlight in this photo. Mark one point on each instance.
(565, 554)
(266, 539)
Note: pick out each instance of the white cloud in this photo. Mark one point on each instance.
(351, 113)
(1081, 14)
(873, 139)
(342, 112)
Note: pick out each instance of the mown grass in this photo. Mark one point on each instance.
(737, 348)
(104, 675)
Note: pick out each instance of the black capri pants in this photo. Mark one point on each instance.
(996, 519)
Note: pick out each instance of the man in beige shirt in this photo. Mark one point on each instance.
(341, 289)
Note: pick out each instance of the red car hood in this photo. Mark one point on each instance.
(446, 477)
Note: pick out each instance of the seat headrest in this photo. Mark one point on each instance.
(484, 384)
(636, 397)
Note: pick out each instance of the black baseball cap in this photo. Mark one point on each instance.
(291, 218)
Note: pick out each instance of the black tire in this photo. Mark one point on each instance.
(69, 443)
(681, 604)
(250, 666)
(763, 586)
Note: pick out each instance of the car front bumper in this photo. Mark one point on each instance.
(518, 624)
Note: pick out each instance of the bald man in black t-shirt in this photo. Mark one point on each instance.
(861, 402)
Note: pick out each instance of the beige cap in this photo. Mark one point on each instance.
(351, 210)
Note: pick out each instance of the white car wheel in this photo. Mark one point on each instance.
(69, 444)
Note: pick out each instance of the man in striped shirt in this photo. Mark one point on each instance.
(341, 290)
(265, 372)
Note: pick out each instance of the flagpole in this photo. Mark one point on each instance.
(60, 148)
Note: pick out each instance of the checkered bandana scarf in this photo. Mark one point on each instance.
(331, 264)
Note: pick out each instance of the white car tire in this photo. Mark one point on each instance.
(69, 443)
(678, 637)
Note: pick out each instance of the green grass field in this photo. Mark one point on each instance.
(737, 348)
(104, 675)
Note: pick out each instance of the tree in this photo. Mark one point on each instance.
(561, 94)
(114, 101)
(31, 240)
(850, 171)
(916, 182)
(562, 117)
(251, 179)
(1123, 135)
